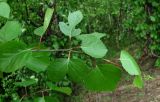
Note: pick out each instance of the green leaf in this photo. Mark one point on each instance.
(39, 31)
(57, 70)
(10, 62)
(157, 64)
(75, 18)
(103, 78)
(92, 45)
(129, 64)
(39, 99)
(65, 29)
(26, 83)
(11, 47)
(153, 19)
(48, 17)
(75, 68)
(4, 9)
(138, 81)
(10, 31)
(38, 64)
(65, 90)
(51, 99)
(76, 32)
(39, 61)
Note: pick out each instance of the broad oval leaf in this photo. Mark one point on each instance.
(38, 64)
(75, 68)
(4, 9)
(10, 31)
(10, 62)
(57, 70)
(103, 78)
(75, 18)
(129, 64)
(92, 45)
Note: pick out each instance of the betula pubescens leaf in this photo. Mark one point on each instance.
(129, 63)
(48, 16)
(76, 69)
(103, 78)
(75, 18)
(4, 9)
(13, 56)
(92, 44)
(69, 29)
(11, 30)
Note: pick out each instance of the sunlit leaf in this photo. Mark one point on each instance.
(138, 81)
(129, 64)
(10, 31)
(92, 45)
(4, 9)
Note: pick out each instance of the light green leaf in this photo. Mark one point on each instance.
(65, 90)
(129, 64)
(103, 78)
(153, 18)
(138, 81)
(10, 31)
(48, 17)
(92, 45)
(10, 62)
(39, 31)
(4, 9)
(76, 32)
(65, 29)
(26, 83)
(75, 18)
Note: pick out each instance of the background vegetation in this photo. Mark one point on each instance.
(127, 25)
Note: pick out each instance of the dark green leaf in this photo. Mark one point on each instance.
(26, 83)
(65, 90)
(103, 78)
(57, 70)
(10, 62)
